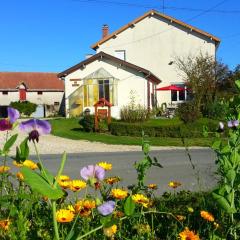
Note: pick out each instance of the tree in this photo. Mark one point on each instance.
(202, 75)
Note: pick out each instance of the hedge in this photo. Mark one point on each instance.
(194, 130)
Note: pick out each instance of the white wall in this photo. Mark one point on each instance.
(154, 42)
(128, 81)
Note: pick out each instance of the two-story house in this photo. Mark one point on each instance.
(136, 59)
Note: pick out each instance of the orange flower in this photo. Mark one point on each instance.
(188, 235)
(174, 184)
(64, 215)
(119, 193)
(19, 176)
(27, 163)
(112, 180)
(4, 169)
(77, 185)
(152, 186)
(65, 184)
(4, 224)
(207, 216)
(84, 207)
(141, 199)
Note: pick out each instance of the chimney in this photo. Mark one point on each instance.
(105, 30)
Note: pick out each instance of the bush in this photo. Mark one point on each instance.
(134, 113)
(188, 112)
(87, 122)
(26, 108)
(193, 130)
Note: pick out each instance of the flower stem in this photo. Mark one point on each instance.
(55, 225)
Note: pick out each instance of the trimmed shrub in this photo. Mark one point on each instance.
(188, 112)
(193, 130)
(26, 108)
(87, 122)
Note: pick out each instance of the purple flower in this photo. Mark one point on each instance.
(35, 128)
(6, 124)
(233, 123)
(106, 208)
(92, 171)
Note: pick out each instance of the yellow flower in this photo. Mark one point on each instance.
(141, 199)
(174, 184)
(64, 215)
(4, 224)
(19, 176)
(15, 163)
(110, 231)
(119, 193)
(65, 184)
(188, 235)
(77, 185)
(4, 169)
(207, 216)
(105, 165)
(112, 180)
(190, 209)
(30, 164)
(63, 178)
(152, 186)
(71, 208)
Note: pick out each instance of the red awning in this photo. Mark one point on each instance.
(171, 87)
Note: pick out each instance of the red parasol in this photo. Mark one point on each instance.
(171, 87)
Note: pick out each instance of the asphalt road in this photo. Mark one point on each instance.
(176, 166)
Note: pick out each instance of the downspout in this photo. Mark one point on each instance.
(148, 91)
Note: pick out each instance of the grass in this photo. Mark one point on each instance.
(69, 128)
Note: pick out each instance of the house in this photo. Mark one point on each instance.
(44, 89)
(137, 58)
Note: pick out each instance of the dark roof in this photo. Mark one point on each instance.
(102, 55)
(32, 80)
(153, 12)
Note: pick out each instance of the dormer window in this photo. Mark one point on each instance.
(121, 54)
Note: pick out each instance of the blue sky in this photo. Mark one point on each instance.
(52, 35)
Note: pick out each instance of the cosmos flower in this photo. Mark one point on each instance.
(207, 216)
(188, 235)
(35, 128)
(92, 172)
(233, 123)
(119, 193)
(106, 208)
(106, 166)
(64, 215)
(6, 123)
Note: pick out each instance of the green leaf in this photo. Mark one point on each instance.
(40, 185)
(105, 220)
(226, 149)
(205, 131)
(237, 83)
(9, 143)
(216, 145)
(22, 151)
(231, 175)
(129, 206)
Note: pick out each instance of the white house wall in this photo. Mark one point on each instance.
(153, 43)
(128, 81)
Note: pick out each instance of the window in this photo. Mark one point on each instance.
(179, 96)
(4, 92)
(56, 103)
(39, 92)
(121, 54)
(103, 91)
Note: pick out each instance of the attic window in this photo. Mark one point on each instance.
(121, 54)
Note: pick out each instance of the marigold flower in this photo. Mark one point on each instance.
(112, 180)
(119, 193)
(188, 235)
(106, 166)
(63, 178)
(15, 163)
(4, 169)
(65, 184)
(4, 224)
(174, 184)
(110, 231)
(83, 207)
(20, 176)
(30, 164)
(152, 186)
(71, 208)
(141, 199)
(207, 216)
(180, 218)
(64, 215)
(77, 185)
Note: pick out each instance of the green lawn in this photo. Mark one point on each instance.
(69, 128)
